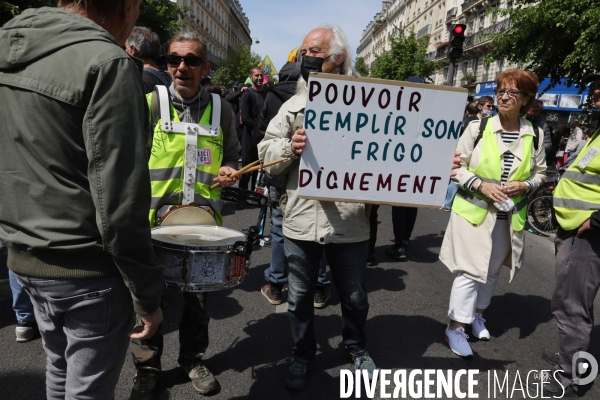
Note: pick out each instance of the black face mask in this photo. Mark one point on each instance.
(310, 64)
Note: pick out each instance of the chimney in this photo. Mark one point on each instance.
(384, 4)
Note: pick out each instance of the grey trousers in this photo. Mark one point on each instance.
(577, 268)
(84, 324)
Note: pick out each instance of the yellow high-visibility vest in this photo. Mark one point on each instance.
(577, 195)
(167, 165)
(473, 206)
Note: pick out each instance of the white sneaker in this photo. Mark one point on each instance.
(479, 330)
(457, 340)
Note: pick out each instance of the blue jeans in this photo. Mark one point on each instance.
(278, 269)
(21, 301)
(348, 265)
(452, 189)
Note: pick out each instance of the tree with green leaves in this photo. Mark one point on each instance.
(361, 67)
(556, 39)
(407, 56)
(12, 8)
(236, 67)
(161, 16)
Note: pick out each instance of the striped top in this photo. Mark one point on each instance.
(507, 159)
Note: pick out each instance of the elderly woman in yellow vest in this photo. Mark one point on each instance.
(502, 161)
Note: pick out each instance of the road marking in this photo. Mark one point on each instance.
(281, 308)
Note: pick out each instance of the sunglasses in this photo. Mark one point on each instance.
(191, 61)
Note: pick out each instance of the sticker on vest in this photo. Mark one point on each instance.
(191, 156)
(204, 157)
(589, 156)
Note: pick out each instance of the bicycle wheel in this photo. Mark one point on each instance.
(540, 215)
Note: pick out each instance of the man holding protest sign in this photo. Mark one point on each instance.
(337, 227)
(310, 227)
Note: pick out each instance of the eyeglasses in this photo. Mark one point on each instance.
(191, 61)
(511, 93)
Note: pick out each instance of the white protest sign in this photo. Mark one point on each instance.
(379, 141)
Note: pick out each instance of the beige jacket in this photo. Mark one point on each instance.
(311, 220)
(467, 248)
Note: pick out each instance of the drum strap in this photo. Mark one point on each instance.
(191, 132)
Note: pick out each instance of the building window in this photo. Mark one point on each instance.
(475, 65)
(446, 74)
(481, 19)
(471, 25)
(465, 65)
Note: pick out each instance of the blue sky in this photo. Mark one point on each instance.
(280, 25)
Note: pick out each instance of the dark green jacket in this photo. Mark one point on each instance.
(74, 182)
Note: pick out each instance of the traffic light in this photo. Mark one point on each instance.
(457, 38)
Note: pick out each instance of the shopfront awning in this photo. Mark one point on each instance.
(558, 98)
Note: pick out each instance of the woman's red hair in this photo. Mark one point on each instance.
(525, 81)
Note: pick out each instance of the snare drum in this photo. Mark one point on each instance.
(188, 214)
(201, 258)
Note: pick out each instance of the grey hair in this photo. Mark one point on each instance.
(191, 36)
(146, 42)
(338, 47)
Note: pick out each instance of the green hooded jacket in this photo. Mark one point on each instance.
(74, 181)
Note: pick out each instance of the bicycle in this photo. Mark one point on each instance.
(540, 210)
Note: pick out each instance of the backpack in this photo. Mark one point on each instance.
(162, 77)
(483, 124)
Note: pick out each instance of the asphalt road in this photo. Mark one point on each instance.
(251, 340)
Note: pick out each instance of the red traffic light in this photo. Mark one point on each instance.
(458, 29)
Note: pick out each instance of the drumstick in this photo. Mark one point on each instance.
(242, 171)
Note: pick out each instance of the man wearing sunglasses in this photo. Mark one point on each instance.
(216, 157)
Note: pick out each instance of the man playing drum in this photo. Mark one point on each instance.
(194, 140)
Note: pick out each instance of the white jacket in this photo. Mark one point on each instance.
(310, 220)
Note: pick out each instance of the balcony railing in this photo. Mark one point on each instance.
(485, 35)
(424, 31)
(469, 3)
(438, 54)
(451, 13)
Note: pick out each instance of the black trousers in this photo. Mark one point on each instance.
(577, 268)
(193, 336)
(403, 221)
(249, 155)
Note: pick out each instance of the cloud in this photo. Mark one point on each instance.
(281, 25)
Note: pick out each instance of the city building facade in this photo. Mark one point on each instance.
(433, 19)
(222, 23)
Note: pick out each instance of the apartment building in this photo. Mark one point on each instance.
(433, 19)
(222, 22)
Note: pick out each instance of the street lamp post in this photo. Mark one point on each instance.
(256, 41)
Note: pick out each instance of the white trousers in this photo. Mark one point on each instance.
(467, 294)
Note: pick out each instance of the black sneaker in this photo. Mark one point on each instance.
(26, 331)
(144, 385)
(321, 296)
(551, 357)
(295, 376)
(272, 293)
(551, 387)
(397, 252)
(371, 262)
